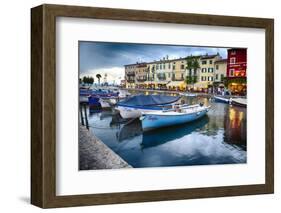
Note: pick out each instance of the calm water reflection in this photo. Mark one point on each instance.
(218, 138)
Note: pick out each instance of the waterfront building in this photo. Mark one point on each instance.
(130, 74)
(236, 70)
(141, 75)
(198, 73)
(177, 77)
(162, 73)
(220, 73)
(206, 75)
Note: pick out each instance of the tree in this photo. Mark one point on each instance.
(91, 80)
(98, 77)
(88, 80)
(85, 80)
(192, 64)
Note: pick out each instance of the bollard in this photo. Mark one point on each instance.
(86, 117)
(81, 115)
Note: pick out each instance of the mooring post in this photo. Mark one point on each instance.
(81, 114)
(86, 116)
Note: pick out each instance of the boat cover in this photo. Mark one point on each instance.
(149, 100)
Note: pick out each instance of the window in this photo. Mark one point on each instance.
(160, 66)
(211, 62)
(169, 75)
(210, 69)
(203, 70)
(231, 72)
(194, 72)
(182, 76)
(169, 66)
(174, 67)
(217, 67)
(202, 78)
(157, 67)
(182, 66)
(217, 76)
(222, 77)
(204, 62)
(232, 60)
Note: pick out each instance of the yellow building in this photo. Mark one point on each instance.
(220, 71)
(178, 72)
(130, 74)
(206, 76)
(141, 75)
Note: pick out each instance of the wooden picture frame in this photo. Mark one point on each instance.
(43, 105)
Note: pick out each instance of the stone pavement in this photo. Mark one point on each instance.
(94, 154)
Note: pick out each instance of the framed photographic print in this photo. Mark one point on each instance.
(136, 106)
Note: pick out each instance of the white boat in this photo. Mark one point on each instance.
(242, 102)
(124, 94)
(188, 94)
(180, 115)
(136, 105)
(134, 112)
(104, 103)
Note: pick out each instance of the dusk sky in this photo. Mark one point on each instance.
(110, 58)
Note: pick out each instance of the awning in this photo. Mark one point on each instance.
(201, 84)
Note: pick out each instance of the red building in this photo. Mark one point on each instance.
(236, 70)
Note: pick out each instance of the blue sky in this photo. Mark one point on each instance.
(110, 58)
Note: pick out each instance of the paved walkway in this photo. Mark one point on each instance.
(94, 154)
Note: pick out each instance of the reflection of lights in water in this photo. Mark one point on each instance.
(241, 116)
(235, 118)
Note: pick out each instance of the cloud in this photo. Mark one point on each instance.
(110, 58)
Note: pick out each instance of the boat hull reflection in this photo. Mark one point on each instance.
(164, 135)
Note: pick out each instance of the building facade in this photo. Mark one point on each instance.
(175, 74)
(206, 75)
(130, 75)
(237, 70)
(141, 75)
(220, 70)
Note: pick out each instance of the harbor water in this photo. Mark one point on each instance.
(218, 138)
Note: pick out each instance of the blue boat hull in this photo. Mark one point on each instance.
(150, 122)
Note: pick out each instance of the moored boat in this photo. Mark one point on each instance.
(163, 118)
(188, 94)
(242, 102)
(221, 99)
(136, 105)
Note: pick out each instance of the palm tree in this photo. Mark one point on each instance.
(98, 77)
